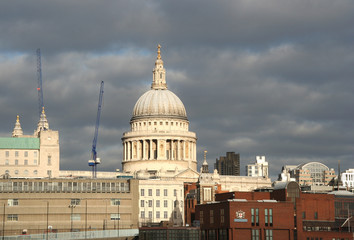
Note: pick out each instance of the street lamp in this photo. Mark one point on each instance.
(71, 206)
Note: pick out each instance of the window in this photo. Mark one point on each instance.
(35, 161)
(222, 215)
(142, 192)
(165, 192)
(26, 154)
(7, 162)
(157, 192)
(150, 192)
(150, 214)
(16, 153)
(255, 234)
(75, 201)
(26, 162)
(175, 192)
(257, 217)
(268, 234)
(157, 203)
(211, 216)
(316, 215)
(75, 217)
(115, 201)
(271, 217)
(252, 216)
(115, 216)
(165, 203)
(16, 161)
(150, 203)
(49, 160)
(142, 203)
(12, 202)
(7, 153)
(49, 173)
(165, 214)
(12, 217)
(35, 172)
(268, 217)
(35, 154)
(158, 214)
(16, 172)
(142, 214)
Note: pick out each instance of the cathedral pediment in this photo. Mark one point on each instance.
(188, 173)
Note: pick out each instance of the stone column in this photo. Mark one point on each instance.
(144, 153)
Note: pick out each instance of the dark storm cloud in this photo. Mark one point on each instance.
(273, 79)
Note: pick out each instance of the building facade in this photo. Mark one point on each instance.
(63, 205)
(258, 169)
(161, 200)
(30, 156)
(229, 164)
(282, 213)
(348, 178)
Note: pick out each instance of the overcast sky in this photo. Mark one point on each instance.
(271, 78)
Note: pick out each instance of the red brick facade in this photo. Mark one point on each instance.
(279, 215)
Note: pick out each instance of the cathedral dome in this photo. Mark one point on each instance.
(159, 103)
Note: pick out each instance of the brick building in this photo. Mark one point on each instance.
(284, 213)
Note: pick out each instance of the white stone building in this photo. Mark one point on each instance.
(159, 142)
(30, 156)
(161, 200)
(347, 178)
(258, 169)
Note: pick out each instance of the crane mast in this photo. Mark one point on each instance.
(39, 86)
(94, 159)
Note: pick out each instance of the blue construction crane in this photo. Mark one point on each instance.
(94, 159)
(39, 87)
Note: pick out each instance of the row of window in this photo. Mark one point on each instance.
(157, 192)
(73, 217)
(17, 153)
(26, 172)
(268, 233)
(73, 202)
(268, 217)
(16, 162)
(150, 203)
(136, 125)
(157, 214)
(64, 186)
